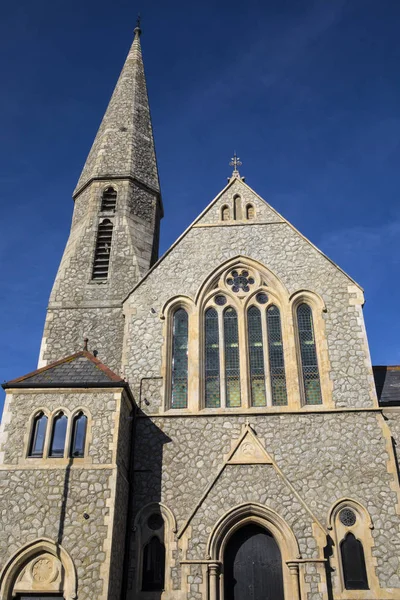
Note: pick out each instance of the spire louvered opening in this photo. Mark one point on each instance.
(103, 248)
(109, 200)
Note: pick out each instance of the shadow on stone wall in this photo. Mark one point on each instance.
(145, 485)
(328, 552)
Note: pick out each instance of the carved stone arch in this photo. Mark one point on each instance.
(270, 520)
(41, 566)
(266, 276)
(273, 298)
(308, 297)
(166, 534)
(359, 523)
(231, 298)
(61, 409)
(172, 304)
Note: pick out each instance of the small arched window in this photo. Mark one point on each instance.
(308, 353)
(256, 357)
(250, 212)
(57, 444)
(232, 367)
(212, 369)
(353, 562)
(103, 249)
(109, 200)
(180, 359)
(276, 357)
(237, 206)
(78, 438)
(153, 574)
(38, 436)
(225, 213)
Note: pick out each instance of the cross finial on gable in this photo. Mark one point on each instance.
(235, 163)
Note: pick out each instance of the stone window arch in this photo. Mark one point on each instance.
(59, 428)
(79, 425)
(38, 435)
(250, 212)
(155, 542)
(41, 567)
(352, 542)
(225, 213)
(109, 200)
(237, 208)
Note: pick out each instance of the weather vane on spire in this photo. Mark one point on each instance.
(137, 28)
(235, 163)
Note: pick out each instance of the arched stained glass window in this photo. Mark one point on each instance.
(38, 436)
(232, 368)
(103, 249)
(153, 574)
(353, 561)
(109, 200)
(78, 436)
(180, 359)
(212, 375)
(309, 362)
(256, 356)
(225, 213)
(57, 444)
(276, 357)
(250, 212)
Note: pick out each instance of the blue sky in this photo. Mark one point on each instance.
(308, 93)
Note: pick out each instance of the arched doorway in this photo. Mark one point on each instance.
(252, 565)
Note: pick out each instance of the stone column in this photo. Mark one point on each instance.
(294, 574)
(213, 575)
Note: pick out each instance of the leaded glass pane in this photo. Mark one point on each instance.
(309, 362)
(232, 368)
(256, 356)
(38, 436)
(212, 380)
(276, 358)
(58, 437)
(180, 360)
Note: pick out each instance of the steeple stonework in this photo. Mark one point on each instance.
(115, 227)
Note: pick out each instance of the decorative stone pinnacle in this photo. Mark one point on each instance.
(235, 163)
(137, 30)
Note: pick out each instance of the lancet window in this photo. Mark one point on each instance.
(59, 432)
(78, 438)
(308, 353)
(180, 359)
(50, 437)
(38, 436)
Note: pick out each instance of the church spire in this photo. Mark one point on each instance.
(124, 144)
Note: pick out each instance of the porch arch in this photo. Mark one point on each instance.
(265, 517)
(31, 553)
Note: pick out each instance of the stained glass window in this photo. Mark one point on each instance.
(353, 561)
(38, 436)
(276, 358)
(232, 368)
(180, 359)
(309, 362)
(256, 356)
(212, 379)
(58, 436)
(78, 436)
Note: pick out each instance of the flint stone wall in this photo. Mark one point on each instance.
(325, 457)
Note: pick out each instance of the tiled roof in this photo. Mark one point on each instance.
(80, 369)
(387, 382)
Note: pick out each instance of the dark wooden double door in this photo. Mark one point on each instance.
(253, 566)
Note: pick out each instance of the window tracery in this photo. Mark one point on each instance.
(249, 345)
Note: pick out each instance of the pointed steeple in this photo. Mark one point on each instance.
(124, 145)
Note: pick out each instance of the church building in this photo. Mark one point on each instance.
(202, 426)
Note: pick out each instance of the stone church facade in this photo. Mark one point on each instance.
(222, 434)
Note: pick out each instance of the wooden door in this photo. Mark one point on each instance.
(253, 566)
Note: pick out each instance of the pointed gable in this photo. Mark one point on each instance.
(80, 369)
(237, 199)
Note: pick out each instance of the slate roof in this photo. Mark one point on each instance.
(79, 370)
(387, 382)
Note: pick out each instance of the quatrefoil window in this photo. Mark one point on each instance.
(240, 280)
